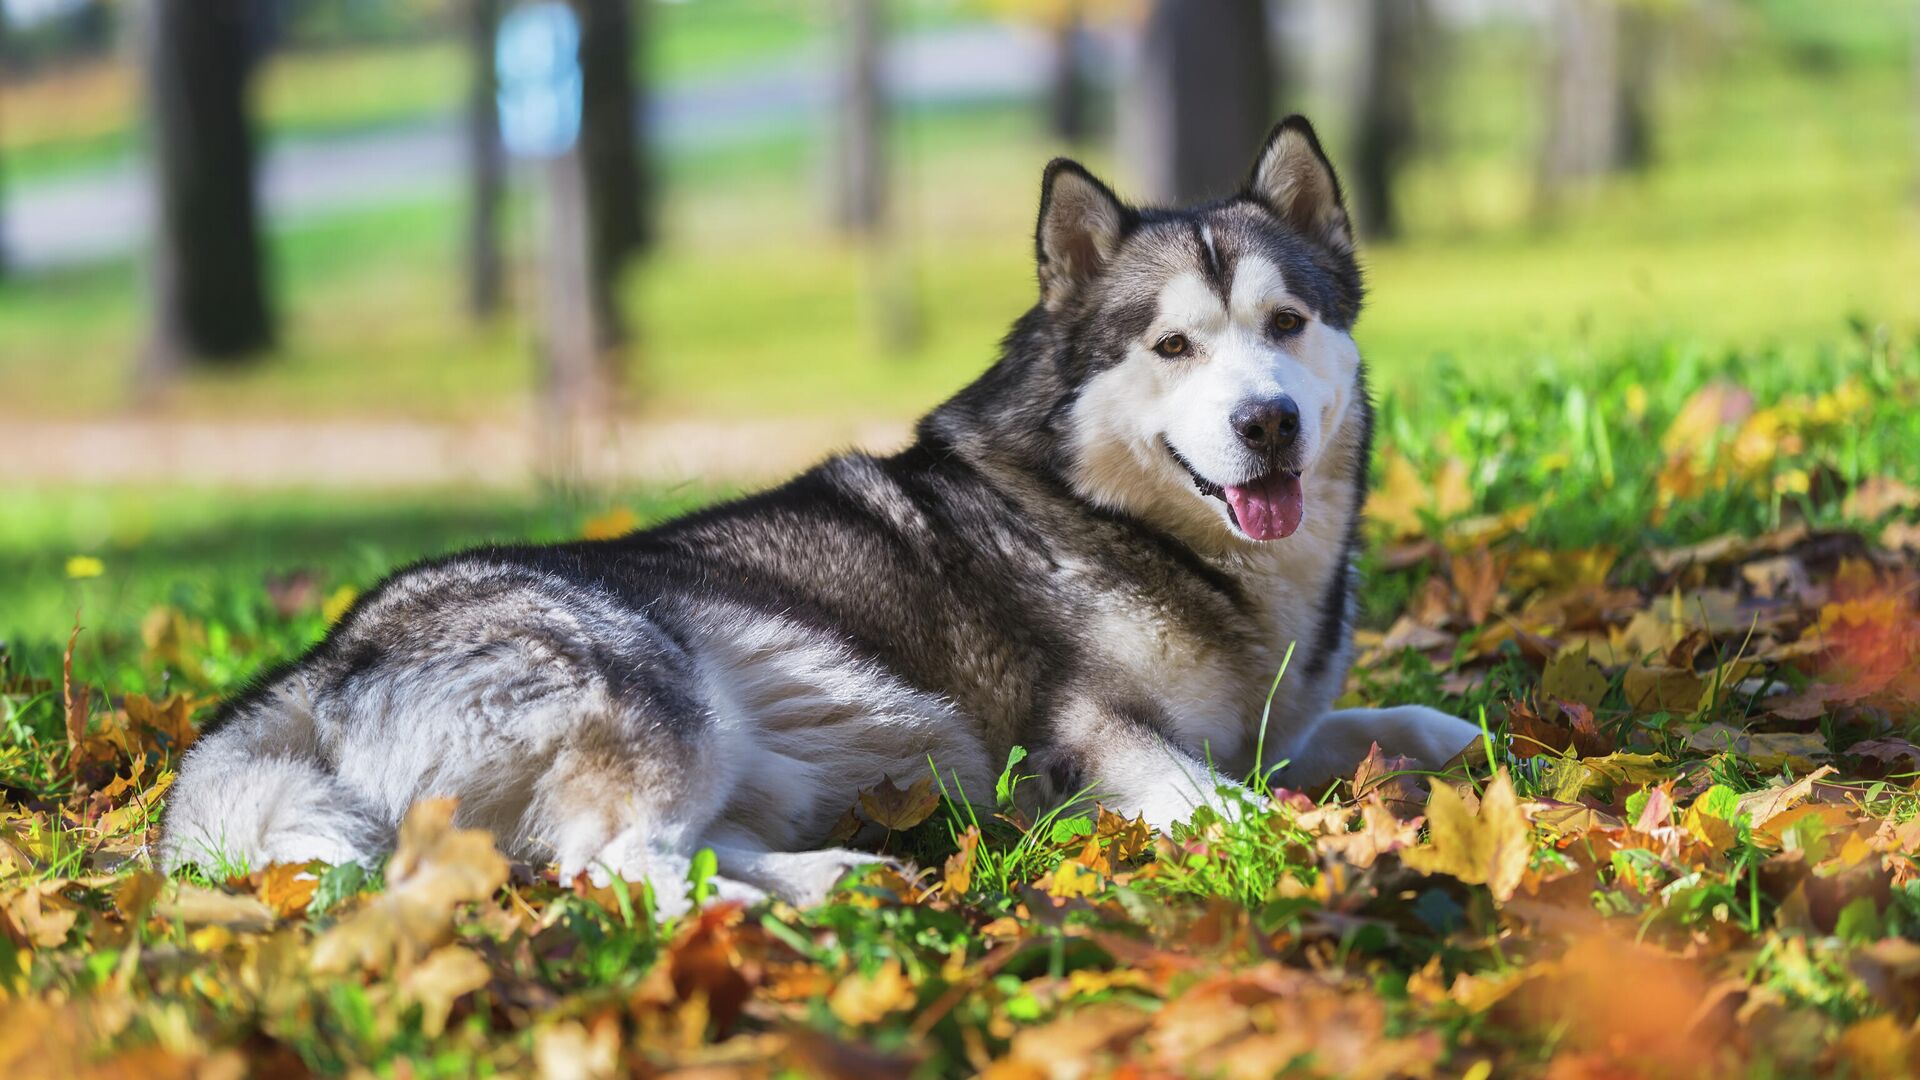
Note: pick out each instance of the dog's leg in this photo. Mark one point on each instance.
(628, 794)
(1118, 755)
(801, 878)
(1332, 746)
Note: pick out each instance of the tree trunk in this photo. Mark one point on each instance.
(1069, 104)
(1600, 97)
(593, 226)
(861, 182)
(208, 275)
(1202, 98)
(581, 352)
(1638, 56)
(1387, 129)
(486, 163)
(610, 143)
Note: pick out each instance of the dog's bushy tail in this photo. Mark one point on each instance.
(254, 791)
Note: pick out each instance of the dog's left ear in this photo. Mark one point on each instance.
(1081, 226)
(1296, 181)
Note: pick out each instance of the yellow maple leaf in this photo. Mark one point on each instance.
(1488, 848)
(1573, 676)
(435, 868)
(1073, 879)
(868, 998)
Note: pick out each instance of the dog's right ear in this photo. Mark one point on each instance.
(1081, 225)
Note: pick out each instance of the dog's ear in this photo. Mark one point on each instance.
(1295, 180)
(1081, 225)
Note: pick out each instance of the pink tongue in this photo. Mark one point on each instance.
(1269, 508)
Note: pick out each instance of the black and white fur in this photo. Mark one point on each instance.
(1050, 564)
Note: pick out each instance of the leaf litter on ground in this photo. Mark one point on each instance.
(1683, 602)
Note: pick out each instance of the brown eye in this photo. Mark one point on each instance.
(1173, 345)
(1287, 322)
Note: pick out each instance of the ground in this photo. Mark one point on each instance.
(1685, 846)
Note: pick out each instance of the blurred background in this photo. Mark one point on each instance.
(275, 287)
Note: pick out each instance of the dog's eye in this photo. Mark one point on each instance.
(1286, 321)
(1173, 345)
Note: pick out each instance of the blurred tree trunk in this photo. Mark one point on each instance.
(1394, 40)
(861, 165)
(863, 206)
(486, 163)
(1202, 99)
(208, 277)
(595, 224)
(1069, 95)
(1600, 97)
(619, 189)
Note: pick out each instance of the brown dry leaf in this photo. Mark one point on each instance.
(706, 965)
(1786, 749)
(568, 1050)
(38, 915)
(1878, 1048)
(1878, 496)
(898, 810)
(1390, 779)
(435, 983)
(1403, 495)
(193, 905)
(1658, 688)
(1489, 848)
(870, 997)
(957, 876)
(1476, 577)
(434, 869)
(1126, 839)
(1764, 805)
(171, 717)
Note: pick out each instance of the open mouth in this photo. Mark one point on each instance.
(1267, 507)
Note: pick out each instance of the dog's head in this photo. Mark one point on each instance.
(1214, 365)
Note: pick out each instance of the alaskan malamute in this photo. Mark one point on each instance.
(1101, 550)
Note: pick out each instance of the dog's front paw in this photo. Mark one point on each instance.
(1335, 746)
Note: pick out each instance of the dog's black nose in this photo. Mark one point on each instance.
(1267, 427)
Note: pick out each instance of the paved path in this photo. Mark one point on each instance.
(98, 216)
(360, 455)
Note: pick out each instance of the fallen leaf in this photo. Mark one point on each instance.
(434, 869)
(442, 978)
(869, 997)
(1573, 676)
(898, 810)
(1489, 848)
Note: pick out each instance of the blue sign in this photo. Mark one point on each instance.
(536, 58)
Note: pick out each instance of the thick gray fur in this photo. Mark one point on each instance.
(1044, 567)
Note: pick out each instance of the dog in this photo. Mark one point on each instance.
(1101, 550)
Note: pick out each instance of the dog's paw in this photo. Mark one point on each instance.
(809, 878)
